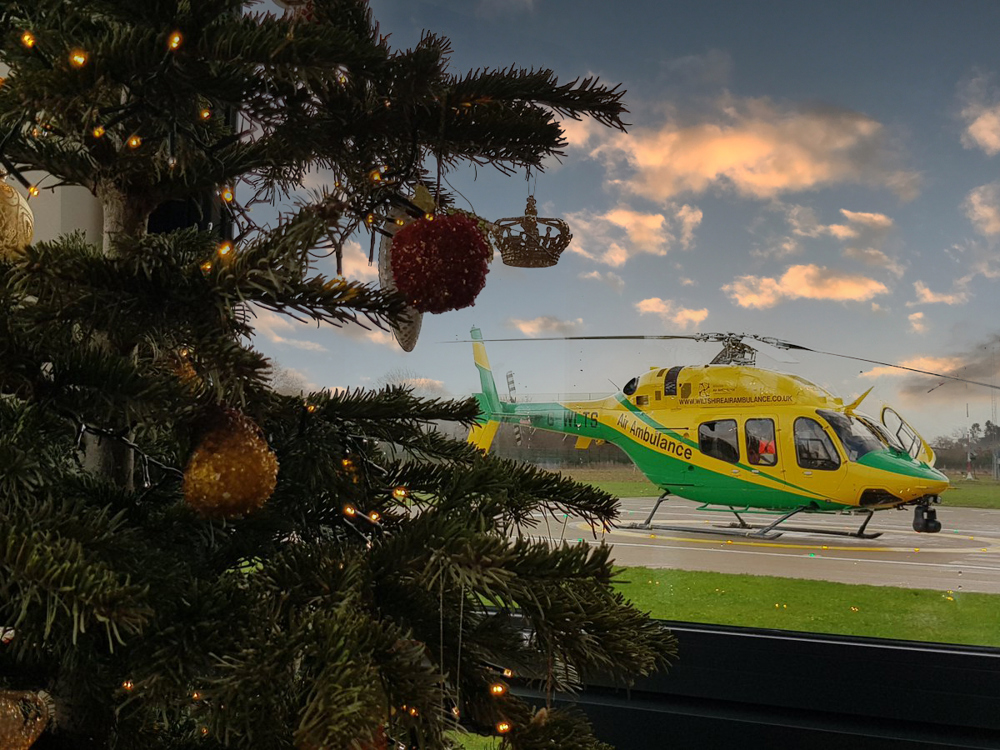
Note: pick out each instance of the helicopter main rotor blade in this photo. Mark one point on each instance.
(693, 336)
(890, 364)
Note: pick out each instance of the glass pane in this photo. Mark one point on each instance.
(813, 449)
(761, 447)
(719, 440)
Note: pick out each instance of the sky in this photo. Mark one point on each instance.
(827, 174)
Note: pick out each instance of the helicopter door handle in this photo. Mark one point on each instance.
(807, 473)
(736, 471)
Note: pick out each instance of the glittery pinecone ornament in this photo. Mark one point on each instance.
(232, 471)
(440, 263)
(23, 717)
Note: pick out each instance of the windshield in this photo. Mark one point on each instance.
(887, 437)
(857, 437)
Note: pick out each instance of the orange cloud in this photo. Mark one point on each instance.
(670, 313)
(926, 296)
(621, 233)
(802, 282)
(981, 112)
(944, 365)
(759, 150)
(982, 207)
(878, 221)
(546, 324)
(917, 324)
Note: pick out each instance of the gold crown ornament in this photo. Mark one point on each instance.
(522, 244)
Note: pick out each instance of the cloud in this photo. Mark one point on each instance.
(944, 365)
(758, 149)
(979, 362)
(917, 324)
(689, 217)
(617, 235)
(711, 69)
(684, 281)
(546, 324)
(272, 326)
(783, 247)
(875, 221)
(610, 278)
(981, 112)
(982, 207)
(926, 296)
(875, 258)
(670, 313)
(863, 235)
(978, 257)
(580, 133)
(802, 282)
(355, 263)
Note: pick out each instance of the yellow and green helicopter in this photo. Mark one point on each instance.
(743, 439)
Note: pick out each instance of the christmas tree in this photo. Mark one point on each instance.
(187, 557)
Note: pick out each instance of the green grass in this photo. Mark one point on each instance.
(626, 481)
(982, 492)
(473, 741)
(814, 606)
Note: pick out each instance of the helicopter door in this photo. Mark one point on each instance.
(813, 462)
(763, 458)
(911, 440)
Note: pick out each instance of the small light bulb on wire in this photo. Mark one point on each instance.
(174, 40)
(399, 222)
(28, 39)
(227, 194)
(134, 141)
(508, 673)
(374, 516)
(497, 689)
(225, 248)
(33, 191)
(400, 493)
(375, 176)
(429, 217)
(206, 114)
(172, 162)
(98, 132)
(350, 511)
(503, 727)
(78, 58)
(206, 266)
(128, 685)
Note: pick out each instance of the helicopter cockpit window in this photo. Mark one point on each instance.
(856, 436)
(813, 448)
(630, 386)
(887, 437)
(720, 439)
(761, 446)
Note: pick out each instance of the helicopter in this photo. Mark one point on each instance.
(738, 438)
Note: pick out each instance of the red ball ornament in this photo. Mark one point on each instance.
(440, 264)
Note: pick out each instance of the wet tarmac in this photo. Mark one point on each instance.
(963, 556)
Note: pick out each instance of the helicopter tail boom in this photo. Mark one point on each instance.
(482, 433)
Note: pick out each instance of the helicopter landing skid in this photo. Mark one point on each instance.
(859, 534)
(754, 531)
(742, 529)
